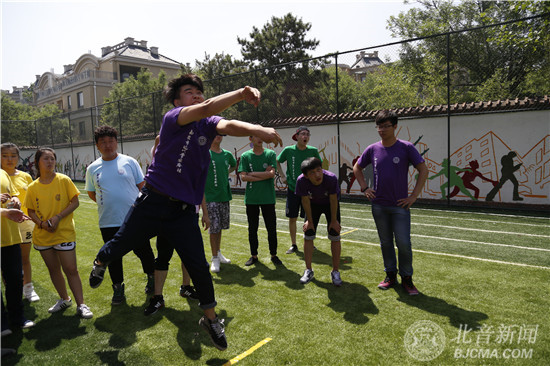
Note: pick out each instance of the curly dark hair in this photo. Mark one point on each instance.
(103, 131)
(172, 91)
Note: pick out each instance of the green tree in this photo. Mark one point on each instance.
(136, 106)
(506, 55)
(287, 82)
(22, 124)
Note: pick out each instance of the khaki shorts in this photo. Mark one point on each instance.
(25, 228)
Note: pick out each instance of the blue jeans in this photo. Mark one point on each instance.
(394, 221)
(154, 214)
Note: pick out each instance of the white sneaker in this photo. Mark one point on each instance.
(222, 258)
(60, 305)
(28, 291)
(84, 311)
(27, 324)
(215, 266)
(308, 276)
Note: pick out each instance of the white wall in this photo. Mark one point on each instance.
(483, 137)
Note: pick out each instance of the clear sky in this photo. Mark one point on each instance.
(40, 35)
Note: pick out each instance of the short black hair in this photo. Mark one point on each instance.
(386, 115)
(172, 91)
(103, 131)
(310, 164)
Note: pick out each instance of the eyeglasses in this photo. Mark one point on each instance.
(384, 127)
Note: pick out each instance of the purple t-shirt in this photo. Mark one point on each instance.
(391, 169)
(318, 195)
(180, 165)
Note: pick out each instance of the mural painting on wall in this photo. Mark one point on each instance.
(487, 150)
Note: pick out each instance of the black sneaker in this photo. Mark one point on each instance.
(150, 287)
(251, 261)
(188, 291)
(276, 260)
(215, 329)
(118, 294)
(293, 249)
(155, 304)
(96, 276)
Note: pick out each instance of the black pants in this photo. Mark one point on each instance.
(13, 286)
(143, 252)
(270, 220)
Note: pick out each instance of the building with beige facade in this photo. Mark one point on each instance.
(86, 82)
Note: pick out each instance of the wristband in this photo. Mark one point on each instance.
(363, 190)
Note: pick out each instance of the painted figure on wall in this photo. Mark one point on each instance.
(468, 177)
(450, 172)
(238, 159)
(344, 177)
(507, 170)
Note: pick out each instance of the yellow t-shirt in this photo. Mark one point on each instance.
(47, 200)
(10, 229)
(21, 181)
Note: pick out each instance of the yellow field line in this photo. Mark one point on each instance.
(244, 354)
(351, 231)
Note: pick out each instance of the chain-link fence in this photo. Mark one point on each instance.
(497, 62)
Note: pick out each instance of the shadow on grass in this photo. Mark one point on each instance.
(123, 322)
(434, 305)
(320, 257)
(352, 299)
(231, 274)
(50, 332)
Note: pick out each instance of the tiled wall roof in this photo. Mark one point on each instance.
(534, 103)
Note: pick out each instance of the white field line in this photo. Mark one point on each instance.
(428, 252)
(447, 227)
(431, 237)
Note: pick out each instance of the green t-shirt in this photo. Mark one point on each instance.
(293, 158)
(217, 182)
(261, 192)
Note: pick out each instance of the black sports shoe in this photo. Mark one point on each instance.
(188, 291)
(150, 287)
(215, 329)
(96, 276)
(155, 304)
(276, 260)
(293, 249)
(251, 261)
(118, 294)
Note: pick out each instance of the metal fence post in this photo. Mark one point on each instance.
(71, 144)
(51, 133)
(93, 128)
(337, 112)
(448, 38)
(120, 128)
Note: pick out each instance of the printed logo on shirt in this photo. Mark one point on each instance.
(58, 197)
(265, 165)
(121, 171)
(202, 140)
(396, 160)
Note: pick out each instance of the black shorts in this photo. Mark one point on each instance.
(316, 212)
(294, 205)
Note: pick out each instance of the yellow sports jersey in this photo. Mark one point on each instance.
(47, 200)
(21, 181)
(10, 229)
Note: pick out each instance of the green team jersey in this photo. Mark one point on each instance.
(294, 157)
(262, 192)
(217, 182)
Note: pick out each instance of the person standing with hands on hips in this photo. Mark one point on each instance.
(390, 198)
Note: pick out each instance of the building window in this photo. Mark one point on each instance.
(69, 103)
(80, 97)
(81, 128)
